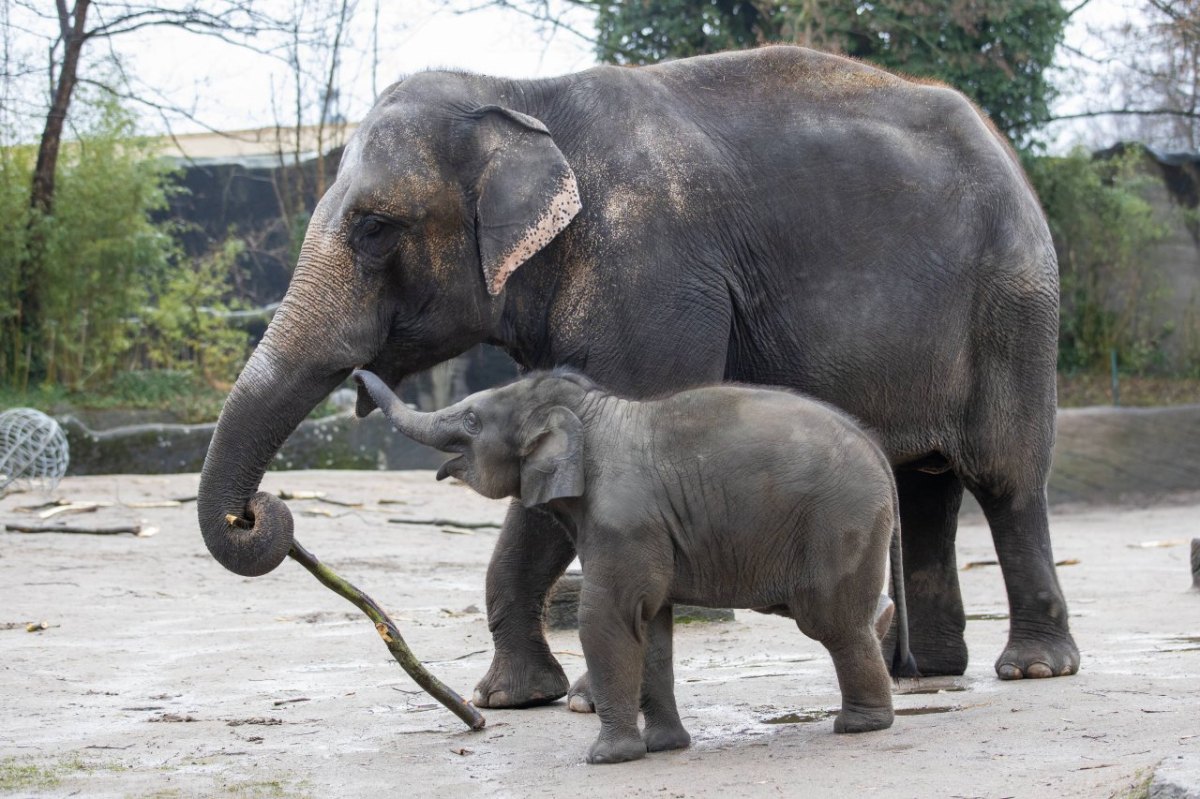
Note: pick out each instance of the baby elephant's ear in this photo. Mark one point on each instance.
(552, 467)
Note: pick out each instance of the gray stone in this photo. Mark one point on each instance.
(1114, 455)
(335, 442)
(562, 607)
(1177, 777)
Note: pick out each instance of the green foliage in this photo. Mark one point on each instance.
(116, 292)
(1102, 229)
(184, 329)
(995, 51)
(94, 252)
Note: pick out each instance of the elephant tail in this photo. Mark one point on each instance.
(903, 663)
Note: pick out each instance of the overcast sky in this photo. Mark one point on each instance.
(228, 88)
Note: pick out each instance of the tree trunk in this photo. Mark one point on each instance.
(41, 195)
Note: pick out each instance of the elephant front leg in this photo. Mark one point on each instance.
(929, 506)
(664, 730)
(533, 551)
(1039, 639)
(613, 641)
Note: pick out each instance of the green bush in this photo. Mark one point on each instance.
(95, 251)
(115, 290)
(184, 328)
(1102, 229)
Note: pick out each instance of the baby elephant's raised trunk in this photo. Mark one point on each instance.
(431, 429)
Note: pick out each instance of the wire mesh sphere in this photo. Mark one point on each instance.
(33, 450)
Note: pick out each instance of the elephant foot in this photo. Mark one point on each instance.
(666, 738)
(854, 718)
(950, 661)
(524, 683)
(944, 656)
(579, 698)
(1026, 658)
(617, 749)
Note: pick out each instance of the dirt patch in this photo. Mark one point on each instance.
(159, 674)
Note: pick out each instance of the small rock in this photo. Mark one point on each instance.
(1177, 777)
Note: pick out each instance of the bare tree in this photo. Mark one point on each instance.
(77, 26)
(1164, 73)
(316, 40)
(1142, 76)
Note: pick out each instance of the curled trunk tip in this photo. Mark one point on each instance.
(254, 544)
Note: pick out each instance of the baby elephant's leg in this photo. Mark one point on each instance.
(664, 730)
(614, 650)
(863, 678)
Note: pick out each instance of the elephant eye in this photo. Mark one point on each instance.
(471, 423)
(375, 237)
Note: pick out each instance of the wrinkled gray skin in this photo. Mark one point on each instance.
(725, 496)
(778, 217)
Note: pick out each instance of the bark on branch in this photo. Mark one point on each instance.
(391, 638)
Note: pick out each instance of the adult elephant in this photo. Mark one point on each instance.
(778, 216)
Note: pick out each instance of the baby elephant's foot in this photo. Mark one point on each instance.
(617, 750)
(854, 718)
(664, 738)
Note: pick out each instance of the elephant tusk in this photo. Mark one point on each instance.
(234, 521)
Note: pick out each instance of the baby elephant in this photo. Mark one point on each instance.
(725, 496)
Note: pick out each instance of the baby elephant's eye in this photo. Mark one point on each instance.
(471, 423)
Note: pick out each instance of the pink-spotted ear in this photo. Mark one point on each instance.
(527, 192)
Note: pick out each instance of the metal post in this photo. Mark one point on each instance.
(1116, 381)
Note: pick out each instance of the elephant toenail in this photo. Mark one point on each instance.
(1009, 671)
(1038, 671)
(580, 704)
(1067, 670)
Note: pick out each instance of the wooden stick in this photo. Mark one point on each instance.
(391, 637)
(60, 528)
(447, 523)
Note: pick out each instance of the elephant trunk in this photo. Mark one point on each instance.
(247, 531)
(435, 430)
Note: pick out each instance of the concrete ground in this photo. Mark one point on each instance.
(158, 674)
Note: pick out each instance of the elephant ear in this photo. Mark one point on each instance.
(527, 192)
(552, 464)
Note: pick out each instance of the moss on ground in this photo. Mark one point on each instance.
(1083, 390)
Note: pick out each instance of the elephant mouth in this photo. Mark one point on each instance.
(451, 468)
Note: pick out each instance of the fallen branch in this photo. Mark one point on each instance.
(448, 523)
(319, 496)
(135, 529)
(391, 638)
(74, 507)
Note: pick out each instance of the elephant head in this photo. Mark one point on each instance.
(439, 198)
(515, 441)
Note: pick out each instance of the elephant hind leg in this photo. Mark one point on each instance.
(864, 682)
(1039, 638)
(929, 504)
(845, 624)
